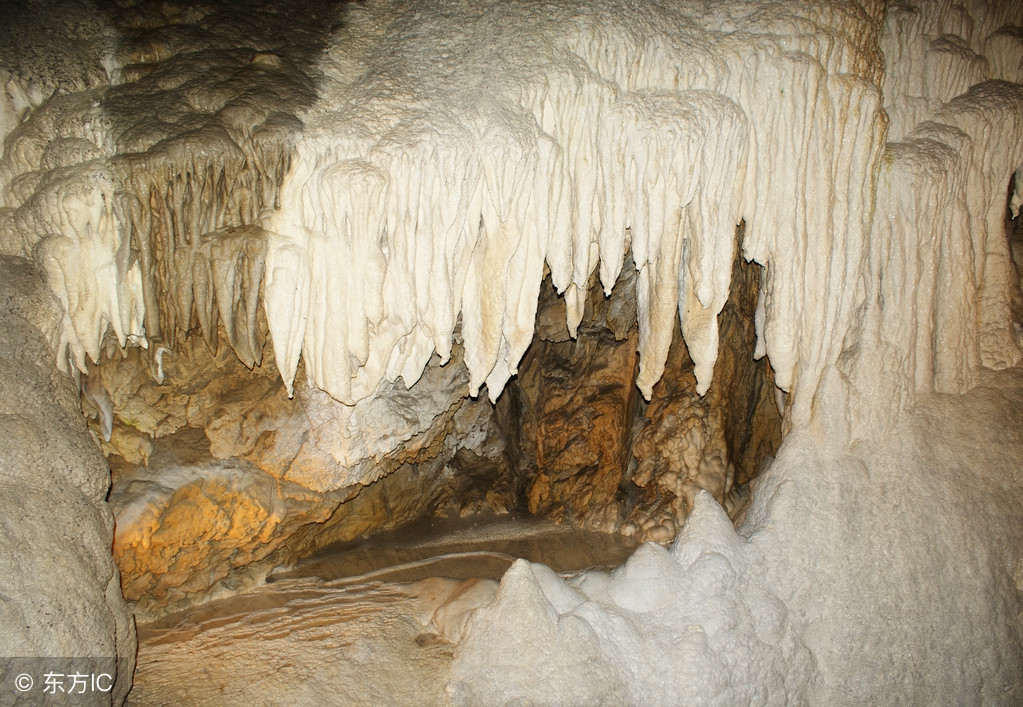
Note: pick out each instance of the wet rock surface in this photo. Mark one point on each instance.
(374, 621)
(468, 545)
(306, 642)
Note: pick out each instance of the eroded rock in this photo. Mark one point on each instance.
(219, 476)
(187, 521)
(580, 397)
(685, 442)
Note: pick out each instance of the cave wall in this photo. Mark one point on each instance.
(717, 442)
(61, 589)
(578, 400)
(593, 452)
(218, 476)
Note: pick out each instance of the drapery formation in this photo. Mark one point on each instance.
(450, 154)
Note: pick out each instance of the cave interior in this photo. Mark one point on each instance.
(469, 351)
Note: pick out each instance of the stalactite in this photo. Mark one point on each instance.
(440, 173)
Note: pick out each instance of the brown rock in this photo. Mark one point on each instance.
(578, 399)
(684, 442)
(586, 433)
(185, 522)
(217, 469)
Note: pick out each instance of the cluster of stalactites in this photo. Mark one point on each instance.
(191, 224)
(578, 134)
(942, 282)
(447, 166)
(141, 202)
(939, 275)
(148, 246)
(936, 50)
(379, 256)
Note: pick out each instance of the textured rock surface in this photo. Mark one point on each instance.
(941, 49)
(578, 401)
(588, 440)
(311, 439)
(584, 132)
(46, 49)
(60, 587)
(307, 642)
(219, 476)
(685, 442)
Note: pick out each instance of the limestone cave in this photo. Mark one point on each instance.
(511, 352)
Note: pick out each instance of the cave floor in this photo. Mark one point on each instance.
(302, 641)
(368, 622)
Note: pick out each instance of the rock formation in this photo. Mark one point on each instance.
(869, 571)
(593, 452)
(60, 586)
(290, 248)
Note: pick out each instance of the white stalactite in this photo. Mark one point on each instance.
(457, 152)
(578, 133)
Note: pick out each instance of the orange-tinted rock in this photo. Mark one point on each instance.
(217, 469)
(185, 522)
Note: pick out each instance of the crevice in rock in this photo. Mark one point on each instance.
(596, 454)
